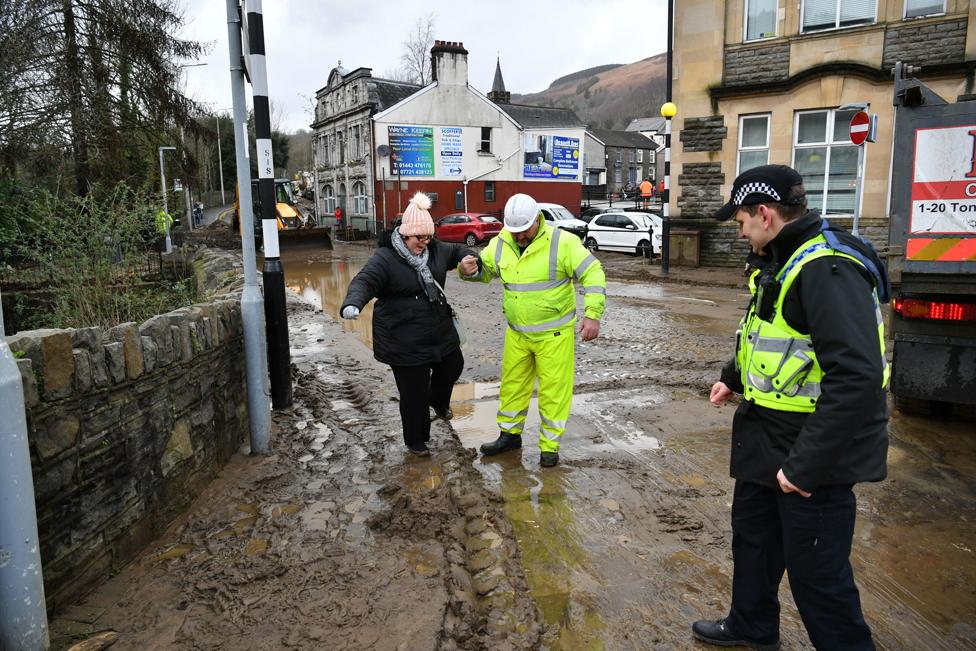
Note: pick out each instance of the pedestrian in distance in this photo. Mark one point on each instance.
(646, 190)
(810, 366)
(537, 265)
(413, 330)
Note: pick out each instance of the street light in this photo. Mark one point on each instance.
(220, 157)
(162, 176)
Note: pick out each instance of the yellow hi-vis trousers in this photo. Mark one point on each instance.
(552, 360)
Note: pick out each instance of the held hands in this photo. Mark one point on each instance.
(469, 265)
(589, 329)
(720, 393)
(350, 312)
(787, 487)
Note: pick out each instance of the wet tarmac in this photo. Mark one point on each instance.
(622, 546)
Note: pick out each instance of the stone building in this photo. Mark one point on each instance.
(343, 142)
(629, 158)
(470, 151)
(771, 81)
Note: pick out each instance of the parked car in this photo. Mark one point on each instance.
(624, 231)
(589, 213)
(467, 227)
(560, 217)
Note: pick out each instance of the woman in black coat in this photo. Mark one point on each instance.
(412, 327)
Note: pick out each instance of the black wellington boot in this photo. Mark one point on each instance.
(502, 443)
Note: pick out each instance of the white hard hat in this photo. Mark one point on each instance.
(521, 211)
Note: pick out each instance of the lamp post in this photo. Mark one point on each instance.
(162, 176)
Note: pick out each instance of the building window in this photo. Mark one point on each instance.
(489, 191)
(640, 155)
(760, 19)
(360, 201)
(357, 143)
(355, 95)
(824, 155)
(831, 14)
(620, 156)
(328, 198)
(341, 137)
(485, 140)
(753, 142)
(918, 8)
(617, 176)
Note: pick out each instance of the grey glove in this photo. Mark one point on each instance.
(350, 312)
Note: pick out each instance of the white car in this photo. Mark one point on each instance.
(560, 217)
(624, 231)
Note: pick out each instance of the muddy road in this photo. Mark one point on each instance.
(338, 540)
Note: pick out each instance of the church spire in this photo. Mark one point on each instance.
(498, 93)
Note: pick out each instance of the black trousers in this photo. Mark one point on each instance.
(423, 387)
(811, 539)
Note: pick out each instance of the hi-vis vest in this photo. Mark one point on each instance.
(778, 366)
(539, 296)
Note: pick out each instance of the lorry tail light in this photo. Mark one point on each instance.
(917, 308)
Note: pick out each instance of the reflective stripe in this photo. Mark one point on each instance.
(809, 390)
(541, 327)
(770, 345)
(512, 414)
(535, 287)
(587, 261)
(595, 289)
(553, 424)
(498, 254)
(554, 439)
(510, 428)
(554, 253)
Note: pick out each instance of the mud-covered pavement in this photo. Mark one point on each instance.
(338, 540)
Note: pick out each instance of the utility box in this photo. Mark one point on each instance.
(685, 247)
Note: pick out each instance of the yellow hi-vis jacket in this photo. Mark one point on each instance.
(539, 297)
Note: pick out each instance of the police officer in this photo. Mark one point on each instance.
(537, 265)
(811, 369)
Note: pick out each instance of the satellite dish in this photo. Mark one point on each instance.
(383, 150)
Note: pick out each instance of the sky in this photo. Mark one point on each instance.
(537, 42)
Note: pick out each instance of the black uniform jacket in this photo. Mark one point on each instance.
(846, 439)
(408, 330)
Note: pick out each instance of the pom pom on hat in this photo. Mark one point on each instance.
(416, 218)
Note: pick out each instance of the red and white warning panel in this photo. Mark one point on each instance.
(944, 182)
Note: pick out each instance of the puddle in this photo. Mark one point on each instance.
(322, 281)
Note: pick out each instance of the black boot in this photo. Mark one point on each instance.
(548, 459)
(717, 633)
(502, 443)
(443, 414)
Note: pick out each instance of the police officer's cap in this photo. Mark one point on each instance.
(764, 184)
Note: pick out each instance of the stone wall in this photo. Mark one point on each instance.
(756, 64)
(703, 134)
(925, 43)
(701, 189)
(127, 425)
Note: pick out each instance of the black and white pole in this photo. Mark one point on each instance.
(252, 303)
(279, 357)
(668, 111)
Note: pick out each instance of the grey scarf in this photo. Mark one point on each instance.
(419, 264)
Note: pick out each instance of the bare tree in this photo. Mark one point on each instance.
(415, 60)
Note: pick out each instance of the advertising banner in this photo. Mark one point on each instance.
(451, 149)
(411, 150)
(944, 183)
(548, 157)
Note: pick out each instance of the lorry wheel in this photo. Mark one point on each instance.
(470, 239)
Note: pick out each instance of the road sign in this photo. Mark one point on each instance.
(860, 127)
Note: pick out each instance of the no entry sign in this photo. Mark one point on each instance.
(860, 127)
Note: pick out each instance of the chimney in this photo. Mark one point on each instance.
(449, 63)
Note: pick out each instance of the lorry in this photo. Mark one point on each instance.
(932, 250)
(293, 225)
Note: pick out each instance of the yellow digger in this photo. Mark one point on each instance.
(293, 225)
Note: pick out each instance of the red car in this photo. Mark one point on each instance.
(468, 227)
